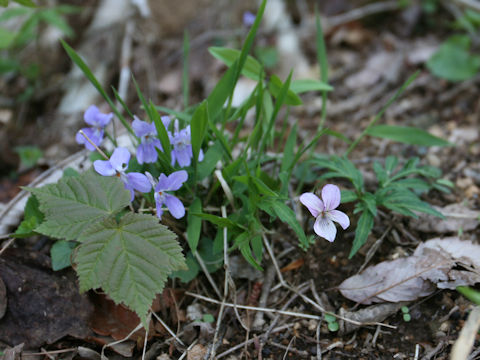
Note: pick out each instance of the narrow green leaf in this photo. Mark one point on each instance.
(221, 92)
(243, 243)
(129, 259)
(55, 19)
(252, 68)
(4, 3)
(288, 153)
(275, 86)
(287, 215)
(407, 135)
(304, 85)
(213, 155)
(74, 203)
(120, 100)
(89, 75)
(194, 224)
(162, 132)
(198, 130)
(28, 3)
(217, 220)
(178, 114)
(6, 38)
(364, 226)
(471, 294)
(348, 196)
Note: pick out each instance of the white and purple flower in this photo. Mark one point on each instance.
(117, 165)
(182, 147)
(172, 182)
(147, 132)
(324, 211)
(97, 121)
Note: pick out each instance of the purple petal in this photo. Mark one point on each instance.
(120, 159)
(175, 206)
(162, 184)
(139, 182)
(159, 209)
(183, 157)
(340, 217)
(312, 202)
(103, 167)
(200, 156)
(90, 115)
(103, 119)
(325, 228)
(141, 153)
(175, 180)
(150, 154)
(166, 121)
(142, 128)
(331, 196)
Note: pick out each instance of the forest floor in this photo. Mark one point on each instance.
(370, 56)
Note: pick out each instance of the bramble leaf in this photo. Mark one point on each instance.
(129, 259)
(74, 203)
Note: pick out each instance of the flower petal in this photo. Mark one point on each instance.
(312, 202)
(340, 217)
(141, 153)
(183, 157)
(120, 159)
(162, 184)
(103, 119)
(331, 196)
(175, 206)
(139, 182)
(175, 180)
(159, 209)
(165, 120)
(90, 115)
(325, 228)
(142, 128)
(103, 167)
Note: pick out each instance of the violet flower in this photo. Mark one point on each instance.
(147, 132)
(172, 182)
(97, 121)
(324, 211)
(248, 18)
(182, 147)
(117, 165)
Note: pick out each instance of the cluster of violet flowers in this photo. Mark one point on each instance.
(117, 165)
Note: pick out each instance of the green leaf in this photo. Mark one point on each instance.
(348, 196)
(129, 259)
(52, 17)
(192, 271)
(213, 155)
(29, 156)
(276, 85)
(74, 203)
(341, 167)
(252, 68)
(4, 3)
(32, 218)
(333, 326)
(287, 215)
(364, 226)
(198, 126)
(162, 133)
(61, 253)
(6, 38)
(217, 220)
(7, 65)
(243, 243)
(304, 85)
(471, 294)
(28, 3)
(89, 75)
(407, 135)
(454, 61)
(368, 199)
(194, 224)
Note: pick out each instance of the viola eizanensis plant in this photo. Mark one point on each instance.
(114, 221)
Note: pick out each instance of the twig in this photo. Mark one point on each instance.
(225, 286)
(463, 345)
(287, 348)
(207, 274)
(188, 349)
(93, 144)
(317, 335)
(9, 242)
(258, 322)
(50, 352)
(167, 328)
(139, 326)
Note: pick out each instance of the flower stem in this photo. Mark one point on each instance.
(93, 144)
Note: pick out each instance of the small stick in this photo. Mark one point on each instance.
(319, 348)
(9, 242)
(463, 345)
(167, 328)
(93, 144)
(207, 274)
(188, 349)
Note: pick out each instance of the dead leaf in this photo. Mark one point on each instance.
(46, 303)
(293, 265)
(444, 263)
(197, 352)
(373, 313)
(458, 217)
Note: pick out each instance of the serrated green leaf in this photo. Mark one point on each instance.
(406, 135)
(32, 218)
(364, 226)
(74, 203)
(129, 259)
(60, 253)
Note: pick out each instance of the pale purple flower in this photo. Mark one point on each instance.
(117, 165)
(147, 132)
(97, 121)
(172, 182)
(182, 147)
(248, 18)
(324, 211)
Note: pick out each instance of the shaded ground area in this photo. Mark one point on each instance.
(371, 52)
